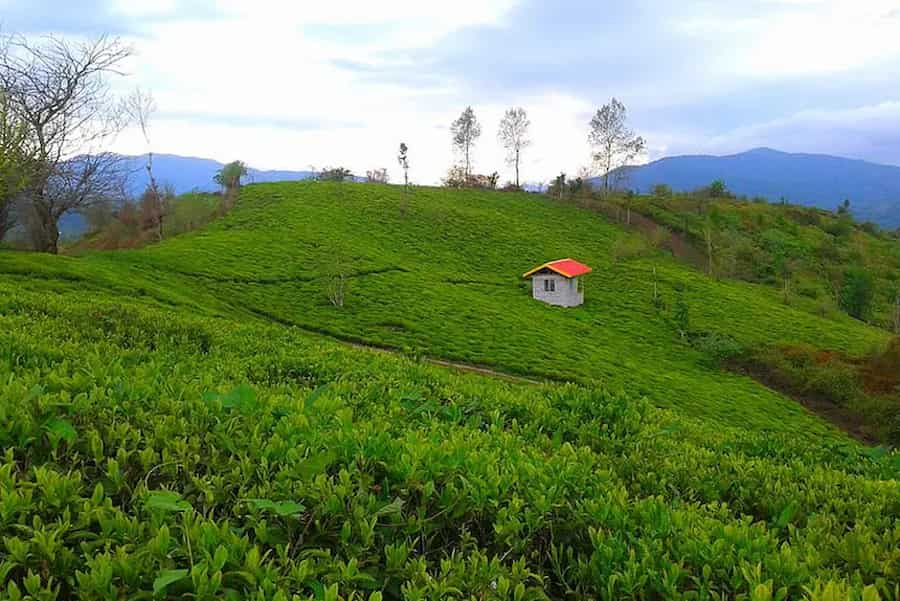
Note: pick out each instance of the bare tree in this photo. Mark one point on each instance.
(466, 130)
(60, 91)
(14, 164)
(403, 159)
(613, 143)
(513, 134)
(337, 285)
(378, 176)
(710, 256)
(140, 107)
(336, 174)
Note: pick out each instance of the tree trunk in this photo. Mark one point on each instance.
(48, 237)
(43, 227)
(897, 314)
(517, 168)
(51, 233)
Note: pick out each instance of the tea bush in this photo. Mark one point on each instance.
(174, 424)
(147, 453)
(447, 267)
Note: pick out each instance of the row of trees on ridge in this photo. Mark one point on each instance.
(613, 145)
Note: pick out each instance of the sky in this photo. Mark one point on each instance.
(293, 84)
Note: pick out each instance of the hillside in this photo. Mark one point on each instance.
(183, 419)
(802, 251)
(422, 278)
(806, 179)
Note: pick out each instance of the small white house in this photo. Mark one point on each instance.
(558, 282)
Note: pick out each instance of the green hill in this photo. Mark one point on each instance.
(440, 273)
(173, 418)
(806, 252)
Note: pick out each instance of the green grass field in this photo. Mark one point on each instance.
(166, 432)
(439, 273)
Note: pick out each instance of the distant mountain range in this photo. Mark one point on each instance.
(187, 174)
(805, 179)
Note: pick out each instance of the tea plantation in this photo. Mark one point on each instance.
(179, 422)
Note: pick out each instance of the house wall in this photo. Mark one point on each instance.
(565, 295)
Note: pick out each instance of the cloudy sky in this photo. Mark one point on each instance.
(288, 84)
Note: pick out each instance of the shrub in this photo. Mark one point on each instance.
(717, 348)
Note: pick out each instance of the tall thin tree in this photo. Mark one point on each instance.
(466, 130)
(513, 134)
(895, 314)
(141, 106)
(614, 144)
(403, 159)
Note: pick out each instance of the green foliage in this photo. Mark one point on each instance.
(857, 292)
(15, 163)
(681, 313)
(717, 189)
(230, 175)
(443, 278)
(867, 387)
(167, 577)
(797, 250)
(662, 191)
(330, 472)
(718, 348)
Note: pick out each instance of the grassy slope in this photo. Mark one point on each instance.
(442, 276)
(398, 476)
(750, 236)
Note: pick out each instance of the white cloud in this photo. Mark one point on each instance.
(259, 81)
(797, 38)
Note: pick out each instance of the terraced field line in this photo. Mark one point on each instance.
(457, 365)
(356, 343)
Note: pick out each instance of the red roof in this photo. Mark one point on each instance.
(569, 268)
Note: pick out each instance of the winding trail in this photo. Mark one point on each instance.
(354, 342)
(457, 365)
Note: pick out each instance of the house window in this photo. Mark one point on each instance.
(549, 285)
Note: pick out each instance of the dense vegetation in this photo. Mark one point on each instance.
(150, 452)
(170, 425)
(131, 225)
(821, 255)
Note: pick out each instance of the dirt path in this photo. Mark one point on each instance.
(846, 420)
(457, 365)
(483, 370)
